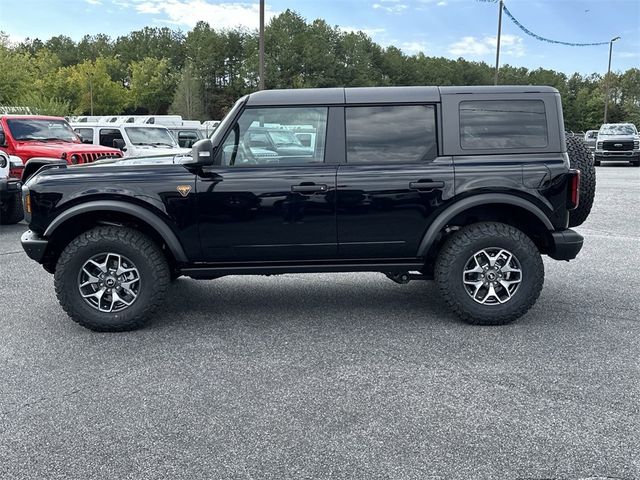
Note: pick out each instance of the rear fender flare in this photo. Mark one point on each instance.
(465, 204)
(143, 214)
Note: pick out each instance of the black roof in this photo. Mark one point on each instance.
(359, 95)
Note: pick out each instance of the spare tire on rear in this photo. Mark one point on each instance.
(580, 159)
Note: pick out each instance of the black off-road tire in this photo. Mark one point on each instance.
(461, 246)
(132, 244)
(580, 158)
(11, 210)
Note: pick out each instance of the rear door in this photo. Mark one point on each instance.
(259, 204)
(392, 182)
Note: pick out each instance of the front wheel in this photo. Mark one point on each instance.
(111, 279)
(489, 273)
(11, 210)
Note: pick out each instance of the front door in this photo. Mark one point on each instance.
(269, 201)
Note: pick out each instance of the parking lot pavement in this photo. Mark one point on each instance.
(333, 375)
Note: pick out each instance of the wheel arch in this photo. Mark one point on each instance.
(506, 208)
(83, 217)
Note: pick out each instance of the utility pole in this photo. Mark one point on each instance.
(261, 47)
(606, 80)
(90, 75)
(495, 80)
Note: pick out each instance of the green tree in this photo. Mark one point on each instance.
(152, 84)
(187, 100)
(109, 97)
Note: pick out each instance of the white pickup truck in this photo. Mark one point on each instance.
(618, 142)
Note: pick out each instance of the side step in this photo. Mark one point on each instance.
(210, 271)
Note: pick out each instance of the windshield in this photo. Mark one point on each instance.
(24, 129)
(157, 137)
(282, 137)
(617, 130)
(216, 136)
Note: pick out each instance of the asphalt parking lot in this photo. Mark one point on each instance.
(333, 375)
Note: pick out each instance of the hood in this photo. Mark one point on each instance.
(149, 150)
(617, 138)
(160, 159)
(56, 149)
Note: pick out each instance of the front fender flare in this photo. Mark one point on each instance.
(465, 204)
(150, 218)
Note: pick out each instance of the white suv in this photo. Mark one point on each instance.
(133, 139)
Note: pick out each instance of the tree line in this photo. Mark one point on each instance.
(200, 73)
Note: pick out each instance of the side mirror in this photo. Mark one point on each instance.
(3, 140)
(119, 143)
(202, 152)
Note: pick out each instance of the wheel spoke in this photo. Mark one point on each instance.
(102, 267)
(97, 294)
(491, 293)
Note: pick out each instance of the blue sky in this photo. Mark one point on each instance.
(449, 28)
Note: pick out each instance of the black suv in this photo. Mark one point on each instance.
(464, 185)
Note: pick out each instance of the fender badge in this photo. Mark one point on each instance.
(184, 189)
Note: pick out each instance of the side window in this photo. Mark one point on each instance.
(391, 134)
(265, 136)
(108, 135)
(496, 124)
(86, 134)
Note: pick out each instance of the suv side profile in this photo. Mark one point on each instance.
(132, 139)
(467, 186)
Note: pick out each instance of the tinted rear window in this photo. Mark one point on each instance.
(498, 124)
(391, 134)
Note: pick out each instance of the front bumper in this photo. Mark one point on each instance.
(625, 156)
(566, 244)
(34, 245)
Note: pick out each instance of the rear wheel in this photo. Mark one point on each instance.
(111, 279)
(11, 210)
(489, 273)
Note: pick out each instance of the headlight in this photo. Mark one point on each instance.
(75, 159)
(3, 161)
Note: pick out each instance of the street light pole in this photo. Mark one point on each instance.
(495, 80)
(261, 47)
(90, 75)
(606, 80)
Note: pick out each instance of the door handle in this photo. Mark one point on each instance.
(425, 185)
(309, 188)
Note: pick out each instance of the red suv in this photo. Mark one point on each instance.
(28, 136)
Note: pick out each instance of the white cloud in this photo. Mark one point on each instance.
(627, 54)
(413, 47)
(469, 46)
(510, 45)
(441, 4)
(372, 32)
(94, 2)
(391, 6)
(190, 12)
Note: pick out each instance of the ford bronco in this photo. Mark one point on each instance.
(467, 186)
